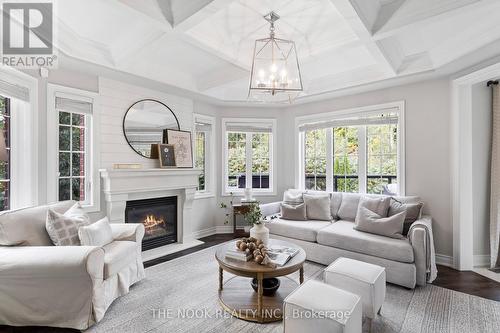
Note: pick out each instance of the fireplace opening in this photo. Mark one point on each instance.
(159, 217)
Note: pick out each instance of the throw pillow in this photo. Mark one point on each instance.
(293, 212)
(318, 207)
(63, 228)
(96, 234)
(293, 197)
(371, 222)
(379, 205)
(413, 212)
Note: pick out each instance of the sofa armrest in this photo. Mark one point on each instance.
(270, 208)
(51, 285)
(51, 261)
(127, 232)
(419, 239)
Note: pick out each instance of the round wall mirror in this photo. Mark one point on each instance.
(144, 123)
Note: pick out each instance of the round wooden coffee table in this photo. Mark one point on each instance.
(236, 294)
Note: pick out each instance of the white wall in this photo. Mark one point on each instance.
(481, 150)
(427, 145)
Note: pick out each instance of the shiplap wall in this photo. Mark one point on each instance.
(115, 99)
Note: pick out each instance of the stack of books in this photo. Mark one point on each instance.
(238, 255)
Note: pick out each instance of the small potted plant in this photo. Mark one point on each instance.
(254, 216)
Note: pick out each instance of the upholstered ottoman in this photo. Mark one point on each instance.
(318, 307)
(361, 278)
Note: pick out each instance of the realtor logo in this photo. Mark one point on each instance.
(28, 34)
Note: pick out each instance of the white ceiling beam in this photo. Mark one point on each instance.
(186, 17)
(361, 16)
(411, 14)
(221, 76)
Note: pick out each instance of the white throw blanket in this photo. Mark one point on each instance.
(426, 224)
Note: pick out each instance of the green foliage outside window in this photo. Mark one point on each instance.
(381, 158)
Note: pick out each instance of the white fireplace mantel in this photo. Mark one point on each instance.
(122, 185)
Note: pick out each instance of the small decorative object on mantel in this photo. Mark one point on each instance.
(127, 166)
(166, 155)
(254, 216)
(182, 147)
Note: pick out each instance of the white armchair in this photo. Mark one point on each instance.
(62, 286)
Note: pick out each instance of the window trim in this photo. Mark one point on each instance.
(225, 191)
(24, 143)
(93, 162)
(399, 108)
(210, 152)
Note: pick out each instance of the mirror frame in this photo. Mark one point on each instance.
(125, 117)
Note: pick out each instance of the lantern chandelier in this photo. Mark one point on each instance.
(275, 75)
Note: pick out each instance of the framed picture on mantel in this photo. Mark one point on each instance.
(181, 140)
(166, 154)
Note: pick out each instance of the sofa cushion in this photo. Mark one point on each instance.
(413, 212)
(342, 235)
(349, 206)
(318, 206)
(26, 226)
(297, 229)
(293, 212)
(335, 201)
(293, 197)
(117, 256)
(379, 204)
(96, 234)
(63, 228)
(391, 226)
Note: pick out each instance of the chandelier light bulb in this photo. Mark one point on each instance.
(274, 68)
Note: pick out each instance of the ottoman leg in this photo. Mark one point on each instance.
(379, 311)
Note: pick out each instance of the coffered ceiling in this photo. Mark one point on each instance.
(205, 46)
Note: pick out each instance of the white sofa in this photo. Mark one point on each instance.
(406, 260)
(62, 286)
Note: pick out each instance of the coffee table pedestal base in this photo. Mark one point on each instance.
(239, 299)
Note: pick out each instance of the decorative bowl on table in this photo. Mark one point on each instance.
(269, 286)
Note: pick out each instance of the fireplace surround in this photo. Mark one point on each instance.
(159, 217)
(123, 185)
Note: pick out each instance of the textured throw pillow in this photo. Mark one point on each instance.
(371, 222)
(293, 197)
(293, 212)
(379, 205)
(96, 234)
(63, 228)
(413, 212)
(318, 207)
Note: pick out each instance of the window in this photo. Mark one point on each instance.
(345, 159)
(73, 152)
(72, 126)
(4, 153)
(315, 159)
(203, 154)
(248, 158)
(359, 151)
(382, 158)
(200, 158)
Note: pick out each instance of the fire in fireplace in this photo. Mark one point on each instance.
(159, 217)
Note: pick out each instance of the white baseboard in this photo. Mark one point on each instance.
(203, 233)
(444, 260)
(224, 229)
(482, 260)
(220, 229)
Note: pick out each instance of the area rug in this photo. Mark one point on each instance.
(181, 296)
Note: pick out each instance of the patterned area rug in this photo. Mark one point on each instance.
(181, 296)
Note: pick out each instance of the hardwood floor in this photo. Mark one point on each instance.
(466, 282)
